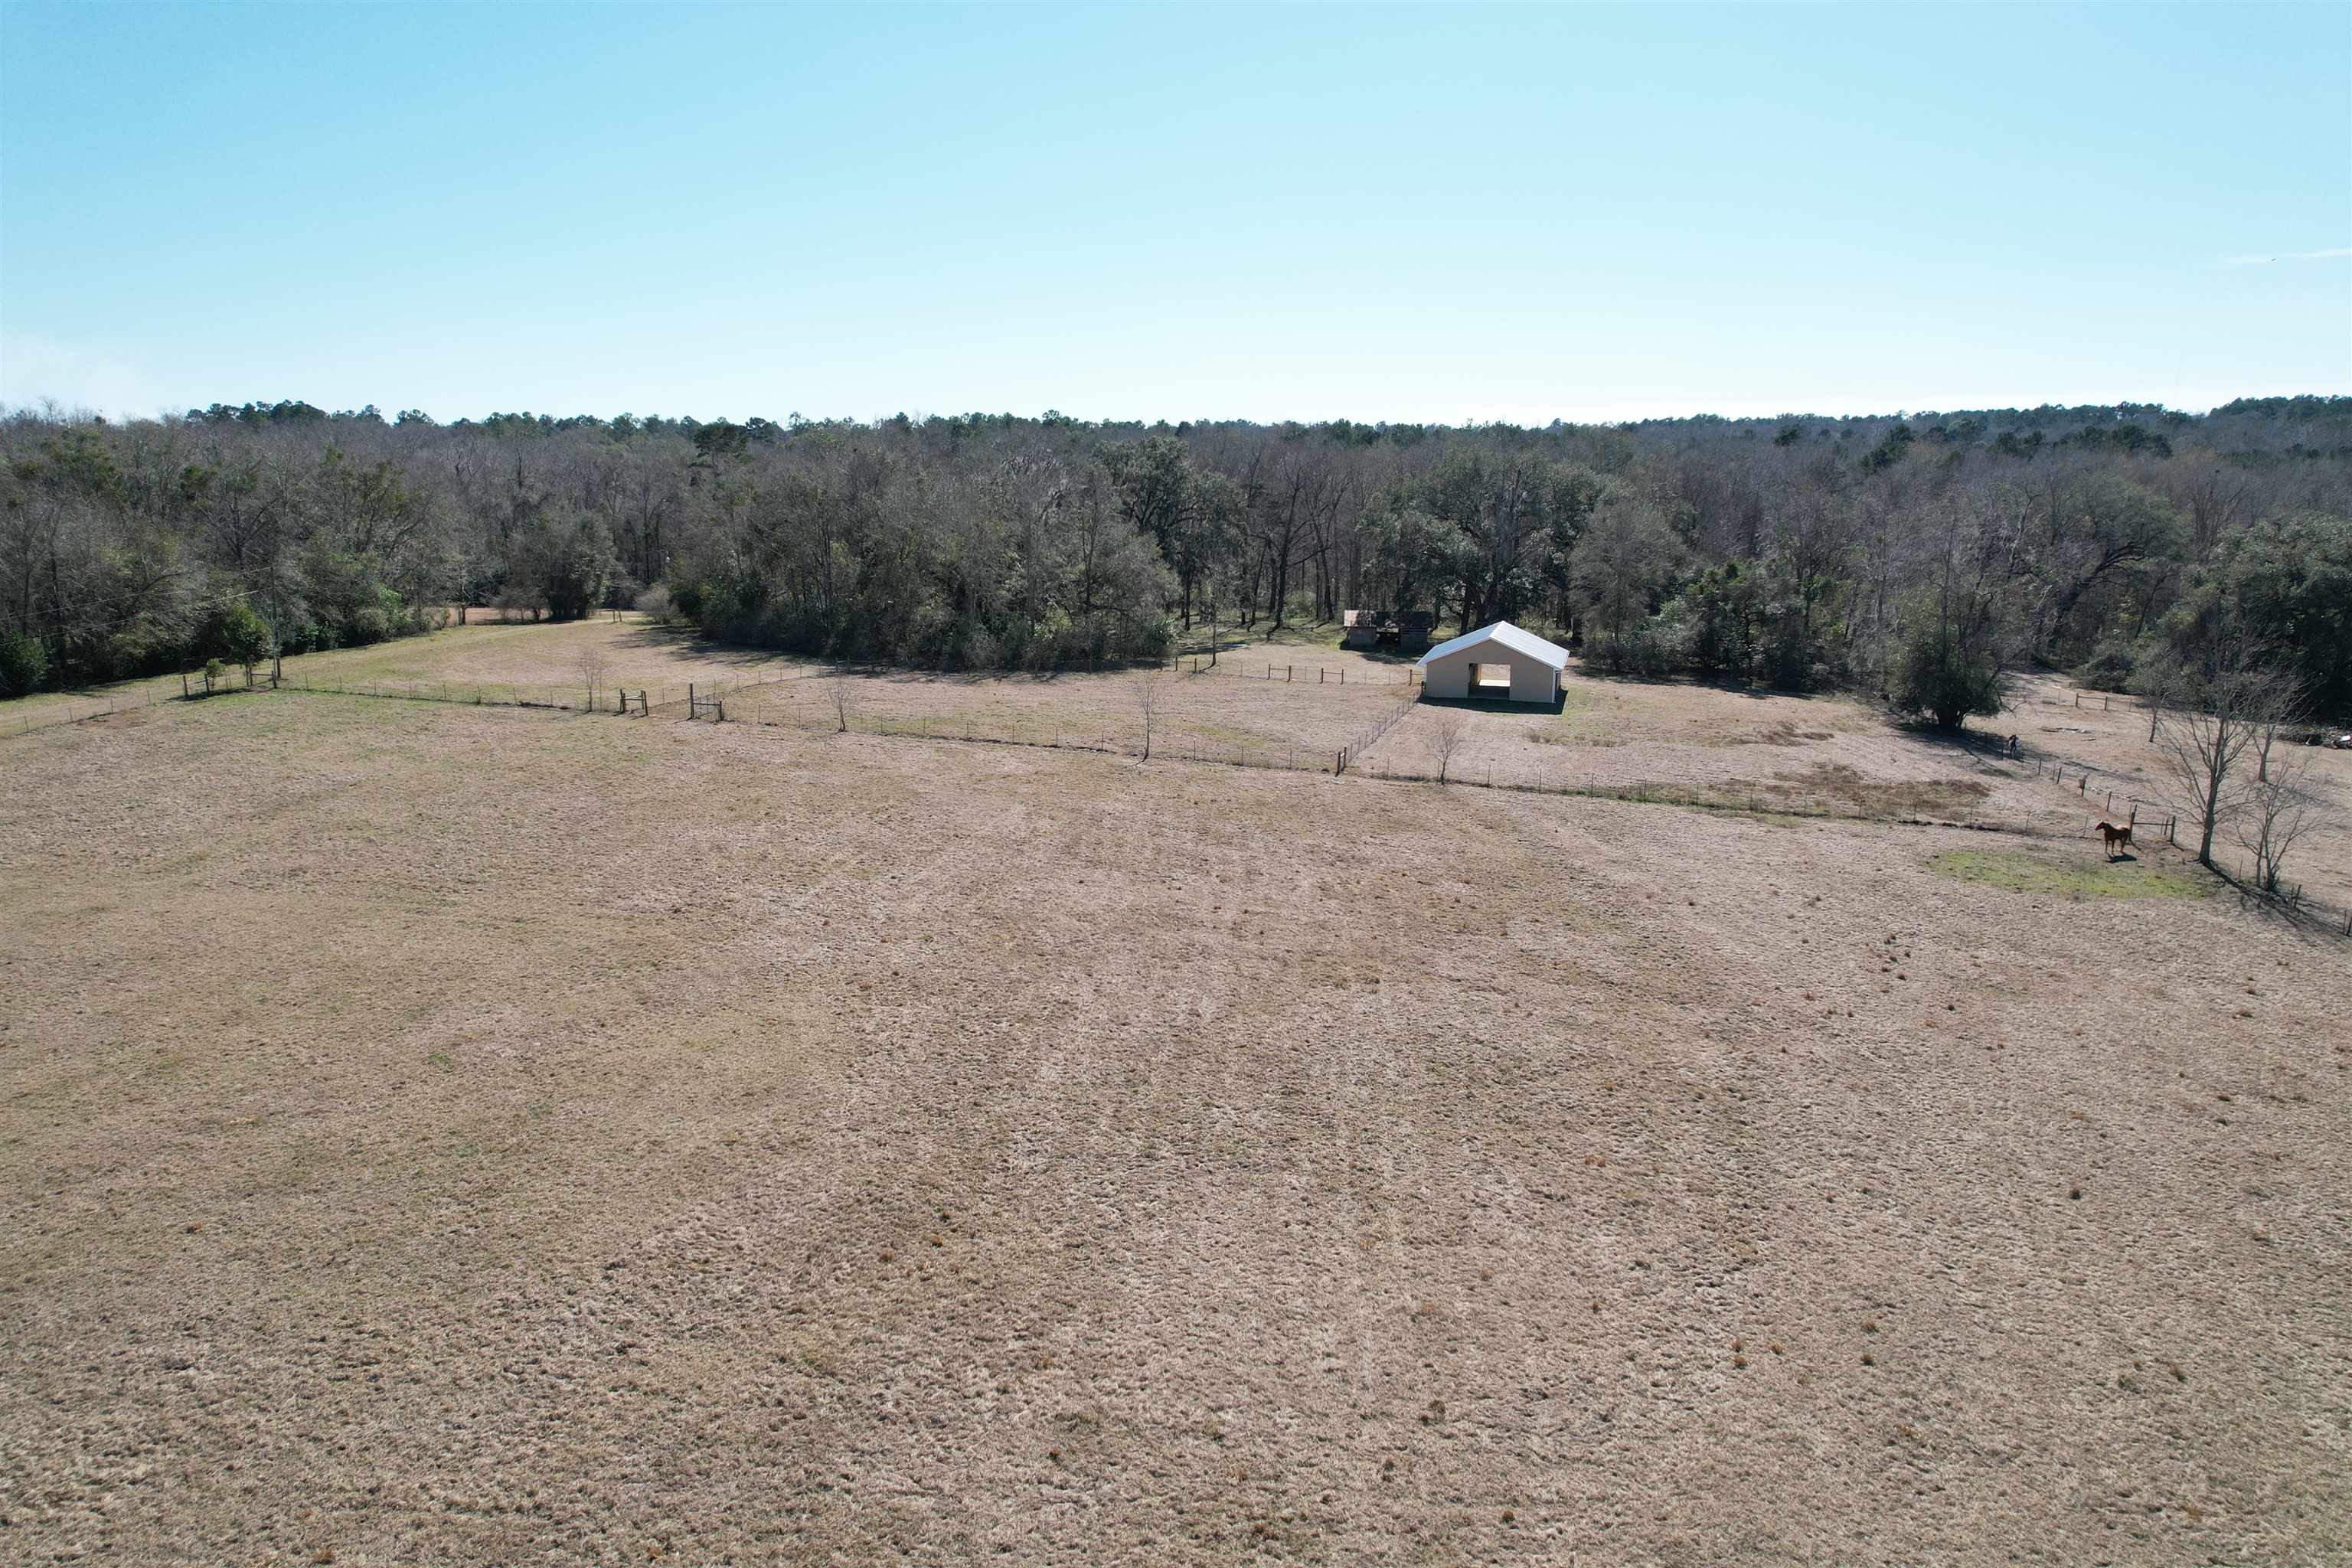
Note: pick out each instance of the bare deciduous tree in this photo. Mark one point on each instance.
(2283, 714)
(2204, 742)
(842, 698)
(1446, 733)
(591, 663)
(2156, 682)
(2275, 811)
(1150, 695)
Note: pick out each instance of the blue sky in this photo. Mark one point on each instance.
(1404, 213)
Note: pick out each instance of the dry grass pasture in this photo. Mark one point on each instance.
(2109, 735)
(437, 1134)
(1254, 709)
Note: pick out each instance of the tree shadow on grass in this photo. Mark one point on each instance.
(1982, 746)
(687, 642)
(1584, 671)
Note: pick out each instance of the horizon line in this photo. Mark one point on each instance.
(56, 410)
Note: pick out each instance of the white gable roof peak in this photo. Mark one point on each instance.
(1519, 639)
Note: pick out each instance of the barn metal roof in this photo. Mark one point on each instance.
(1516, 639)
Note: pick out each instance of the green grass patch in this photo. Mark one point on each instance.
(2022, 873)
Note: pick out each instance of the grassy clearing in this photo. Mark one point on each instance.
(2021, 872)
(978, 1119)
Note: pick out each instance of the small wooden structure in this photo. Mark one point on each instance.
(1399, 631)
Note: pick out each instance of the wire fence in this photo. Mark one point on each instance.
(1296, 674)
(476, 694)
(2290, 898)
(2158, 810)
(54, 711)
(1370, 735)
(826, 711)
(748, 704)
(581, 697)
(1741, 798)
(817, 706)
(762, 704)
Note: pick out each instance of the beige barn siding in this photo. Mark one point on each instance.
(1449, 679)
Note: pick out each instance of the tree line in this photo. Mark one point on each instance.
(1922, 556)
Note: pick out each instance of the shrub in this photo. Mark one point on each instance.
(368, 624)
(560, 564)
(23, 664)
(1946, 676)
(980, 649)
(1652, 649)
(242, 637)
(2110, 665)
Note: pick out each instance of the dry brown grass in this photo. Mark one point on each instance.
(445, 1135)
(2113, 739)
(1705, 745)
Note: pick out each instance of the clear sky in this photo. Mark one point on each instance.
(1451, 214)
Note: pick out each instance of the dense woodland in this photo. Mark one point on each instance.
(1919, 556)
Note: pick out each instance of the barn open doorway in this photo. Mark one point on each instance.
(1490, 681)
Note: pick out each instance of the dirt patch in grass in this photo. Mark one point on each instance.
(2020, 871)
(1837, 783)
(1780, 732)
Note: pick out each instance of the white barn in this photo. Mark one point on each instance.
(1500, 663)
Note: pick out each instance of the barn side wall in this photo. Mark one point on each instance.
(1449, 679)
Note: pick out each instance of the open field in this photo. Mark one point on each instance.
(1250, 709)
(1253, 709)
(1841, 757)
(436, 1133)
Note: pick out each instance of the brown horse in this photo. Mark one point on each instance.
(2115, 836)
